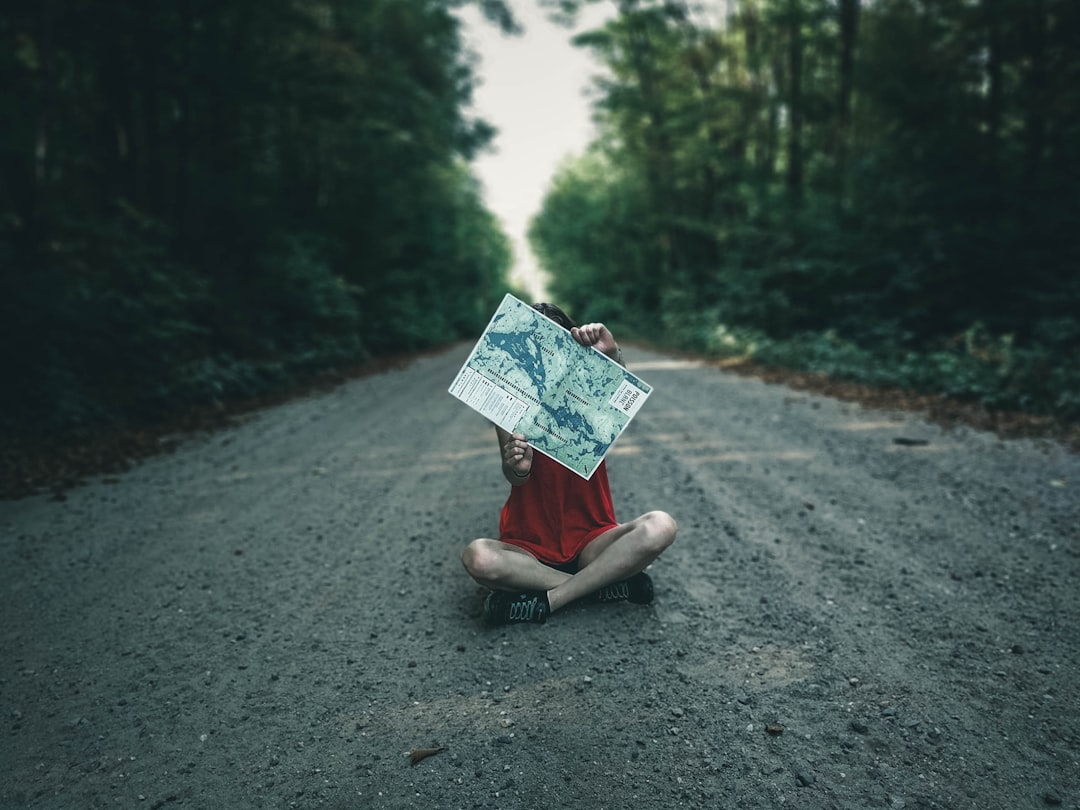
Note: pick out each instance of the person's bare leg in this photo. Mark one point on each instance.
(615, 555)
(503, 567)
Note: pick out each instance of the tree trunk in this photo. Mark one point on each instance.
(148, 167)
(995, 90)
(658, 149)
(795, 101)
(700, 62)
(182, 131)
(1035, 126)
(849, 25)
(38, 198)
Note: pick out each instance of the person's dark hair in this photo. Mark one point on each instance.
(556, 314)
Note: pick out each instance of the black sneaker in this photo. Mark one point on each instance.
(637, 589)
(502, 607)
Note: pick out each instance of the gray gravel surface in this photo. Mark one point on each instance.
(276, 616)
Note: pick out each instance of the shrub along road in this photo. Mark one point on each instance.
(862, 609)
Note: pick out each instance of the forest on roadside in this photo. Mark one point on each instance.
(207, 201)
(204, 200)
(882, 190)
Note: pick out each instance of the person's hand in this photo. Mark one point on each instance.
(517, 455)
(598, 336)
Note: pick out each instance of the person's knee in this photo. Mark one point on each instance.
(480, 560)
(660, 530)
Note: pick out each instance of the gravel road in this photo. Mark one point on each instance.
(861, 610)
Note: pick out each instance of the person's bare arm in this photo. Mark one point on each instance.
(517, 456)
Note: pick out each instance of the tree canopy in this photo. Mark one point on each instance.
(894, 175)
(203, 199)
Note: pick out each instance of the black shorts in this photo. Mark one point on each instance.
(569, 567)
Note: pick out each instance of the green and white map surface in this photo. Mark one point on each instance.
(528, 375)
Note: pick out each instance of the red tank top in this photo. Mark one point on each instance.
(556, 513)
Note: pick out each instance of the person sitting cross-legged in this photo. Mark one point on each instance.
(559, 540)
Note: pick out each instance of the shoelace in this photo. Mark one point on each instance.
(522, 611)
(615, 592)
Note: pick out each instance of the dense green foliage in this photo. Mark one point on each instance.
(205, 199)
(884, 189)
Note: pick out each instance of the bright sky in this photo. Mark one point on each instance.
(532, 89)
